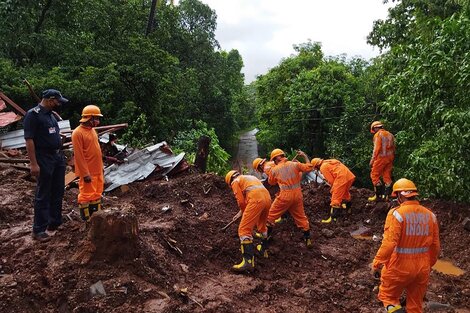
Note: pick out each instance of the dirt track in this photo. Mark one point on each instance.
(331, 277)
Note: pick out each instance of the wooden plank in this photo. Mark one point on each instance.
(70, 177)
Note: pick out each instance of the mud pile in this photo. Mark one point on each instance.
(183, 259)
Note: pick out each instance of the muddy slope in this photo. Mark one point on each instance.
(183, 247)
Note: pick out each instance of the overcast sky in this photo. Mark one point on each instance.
(264, 31)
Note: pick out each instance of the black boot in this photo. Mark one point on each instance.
(379, 191)
(263, 248)
(387, 192)
(248, 262)
(270, 233)
(347, 206)
(307, 239)
(334, 214)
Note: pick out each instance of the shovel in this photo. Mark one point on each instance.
(234, 219)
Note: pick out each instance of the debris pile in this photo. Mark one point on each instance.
(180, 260)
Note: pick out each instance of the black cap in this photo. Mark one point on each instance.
(54, 94)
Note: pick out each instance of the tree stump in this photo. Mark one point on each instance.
(202, 154)
(114, 234)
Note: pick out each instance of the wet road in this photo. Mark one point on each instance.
(247, 150)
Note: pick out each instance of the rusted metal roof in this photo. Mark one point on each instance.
(7, 118)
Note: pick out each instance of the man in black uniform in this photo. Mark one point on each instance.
(47, 162)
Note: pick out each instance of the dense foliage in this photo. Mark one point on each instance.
(171, 81)
(97, 51)
(419, 87)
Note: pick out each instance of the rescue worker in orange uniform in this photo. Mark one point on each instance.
(287, 175)
(260, 165)
(88, 162)
(254, 202)
(340, 178)
(382, 161)
(409, 249)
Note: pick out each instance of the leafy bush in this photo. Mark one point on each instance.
(186, 141)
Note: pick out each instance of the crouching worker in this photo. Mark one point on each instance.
(254, 202)
(409, 249)
(88, 162)
(340, 179)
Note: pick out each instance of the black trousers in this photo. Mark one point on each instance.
(49, 190)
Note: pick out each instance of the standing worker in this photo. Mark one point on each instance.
(381, 162)
(88, 162)
(409, 249)
(47, 162)
(287, 175)
(340, 179)
(254, 201)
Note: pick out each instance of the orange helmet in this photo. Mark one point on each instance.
(316, 162)
(375, 124)
(276, 152)
(406, 188)
(257, 162)
(229, 176)
(89, 111)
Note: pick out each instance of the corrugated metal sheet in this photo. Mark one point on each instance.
(15, 139)
(140, 165)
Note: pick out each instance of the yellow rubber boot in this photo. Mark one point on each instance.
(248, 262)
(395, 309)
(84, 210)
(379, 193)
(334, 212)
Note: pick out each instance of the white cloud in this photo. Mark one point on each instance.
(264, 31)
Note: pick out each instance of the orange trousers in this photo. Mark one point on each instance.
(90, 191)
(293, 202)
(255, 214)
(382, 167)
(340, 191)
(412, 275)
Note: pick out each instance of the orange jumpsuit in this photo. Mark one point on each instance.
(409, 249)
(340, 179)
(88, 162)
(287, 175)
(254, 202)
(383, 155)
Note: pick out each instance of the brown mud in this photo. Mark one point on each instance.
(182, 260)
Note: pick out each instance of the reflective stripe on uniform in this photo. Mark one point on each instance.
(411, 250)
(434, 218)
(253, 187)
(398, 216)
(287, 187)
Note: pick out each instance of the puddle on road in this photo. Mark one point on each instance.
(363, 233)
(446, 267)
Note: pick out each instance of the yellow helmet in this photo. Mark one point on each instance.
(89, 111)
(229, 176)
(375, 124)
(276, 152)
(406, 185)
(316, 162)
(257, 162)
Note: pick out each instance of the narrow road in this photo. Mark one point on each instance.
(247, 150)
